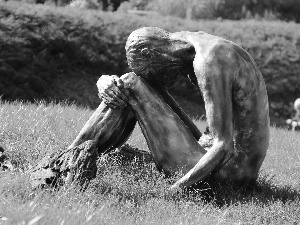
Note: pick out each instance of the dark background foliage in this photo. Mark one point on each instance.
(59, 53)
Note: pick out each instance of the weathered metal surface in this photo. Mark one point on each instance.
(75, 165)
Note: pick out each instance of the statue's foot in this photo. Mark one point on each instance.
(75, 165)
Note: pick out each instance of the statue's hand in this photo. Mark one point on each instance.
(109, 90)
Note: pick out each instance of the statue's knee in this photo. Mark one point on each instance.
(130, 80)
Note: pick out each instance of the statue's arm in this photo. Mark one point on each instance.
(215, 79)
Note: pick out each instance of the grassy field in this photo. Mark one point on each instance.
(134, 192)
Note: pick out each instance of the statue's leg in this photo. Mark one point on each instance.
(173, 146)
(176, 108)
(107, 128)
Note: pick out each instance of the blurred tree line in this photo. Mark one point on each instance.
(59, 53)
(224, 9)
(288, 10)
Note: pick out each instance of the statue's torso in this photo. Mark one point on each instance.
(249, 101)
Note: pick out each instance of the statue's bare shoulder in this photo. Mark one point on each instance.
(241, 114)
(221, 65)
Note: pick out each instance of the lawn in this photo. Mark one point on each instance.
(133, 192)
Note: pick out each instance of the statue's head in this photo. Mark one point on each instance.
(149, 55)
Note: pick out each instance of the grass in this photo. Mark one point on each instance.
(134, 192)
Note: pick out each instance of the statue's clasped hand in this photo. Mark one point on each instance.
(111, 91)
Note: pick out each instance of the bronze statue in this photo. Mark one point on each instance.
(294, 123)
(235, 98)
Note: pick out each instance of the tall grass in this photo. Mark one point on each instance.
(133, 192)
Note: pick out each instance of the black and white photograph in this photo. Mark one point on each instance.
(149, 112)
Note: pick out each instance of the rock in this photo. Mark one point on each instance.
(129, 153)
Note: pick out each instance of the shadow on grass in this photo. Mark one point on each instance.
(139, 181)
(141, 175)
(262, 192)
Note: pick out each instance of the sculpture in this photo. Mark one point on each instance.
(235, 98)
(294, 122)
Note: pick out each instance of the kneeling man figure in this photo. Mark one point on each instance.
(233, 90)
